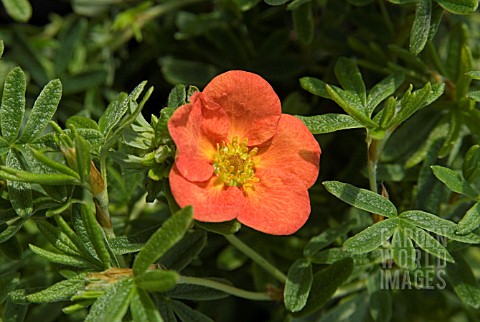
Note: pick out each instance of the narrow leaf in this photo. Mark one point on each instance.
(163, 239)
(57, 238)
(177, 96)
(19, 10)
(460, 7)
(470, 221)
(327, 123)
(351, 104)
(113, 114)
(142, 307)
(13, 104)
(20, 193)
(315, 86)
(186, 313)
(383, 89)
(303, 23)
(403, 251)
(372, 237)
(59, 258)
(325, 283)
(186, 250)
(471, 166)
(297, 286)
(43, 110)
(349, 76)
(61, 291)
(426, 242)
(113, 305)
(454, 181)
(438, 225)
(464, 282)
(421, 26)
(361, 198)
(95, 233)
(53, 164)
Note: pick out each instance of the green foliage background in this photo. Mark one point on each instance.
(389, 88)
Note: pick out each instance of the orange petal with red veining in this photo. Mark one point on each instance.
(212, 202)
(252, 106)
(293, 149)
(279, 204)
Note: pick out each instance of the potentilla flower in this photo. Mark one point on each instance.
(239, 157)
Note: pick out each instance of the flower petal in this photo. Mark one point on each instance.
(293, 149)
(251, 104)
(196, 128)
(212, 202)
(277, 205)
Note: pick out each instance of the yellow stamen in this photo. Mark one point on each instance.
(234, 165)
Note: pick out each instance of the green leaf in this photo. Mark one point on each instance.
(83, 159)
(438, 225)
(177, 96)
(464, 282)
(193, 292)
(222, 228)
(427, 242)
(95, 233)
(19, 10)
(2, 47)
(329, 255)
(303, 23)
(12, 249)
(186, 313)
(59, 258)
(315, 86)
(142, 307)
(474, 95)
(470, 221)
(460, 7)
(43, 110)
(327, 123)
(179, 71)
(421, 26)
(157, 280)
(361, 198)
(70, 37)
(412, 102)
(454, 181)
(13, 104)
(163, 239)
(113, 305)
(21, 177)
(61, 291)
(41, 157)
(317, 243)
(474, 74)
(402, 249)
(372, 237)
(383, 89)
(4, 146)
(113, 114)
(20, 193)
(14, 312)
(471, 166)
(351, 104)
(276, 2)
(130, 243)
(79, 122)
(8, 231)
(297, 286)
(182, 253)
(57, 238)
(349, 76)
(325, 283)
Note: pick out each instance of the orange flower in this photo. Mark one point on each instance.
(239, 157)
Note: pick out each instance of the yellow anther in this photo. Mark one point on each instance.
(234, 165)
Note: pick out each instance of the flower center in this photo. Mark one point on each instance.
(234, 165)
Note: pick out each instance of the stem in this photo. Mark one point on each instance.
(257, 258)
(257, 296)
